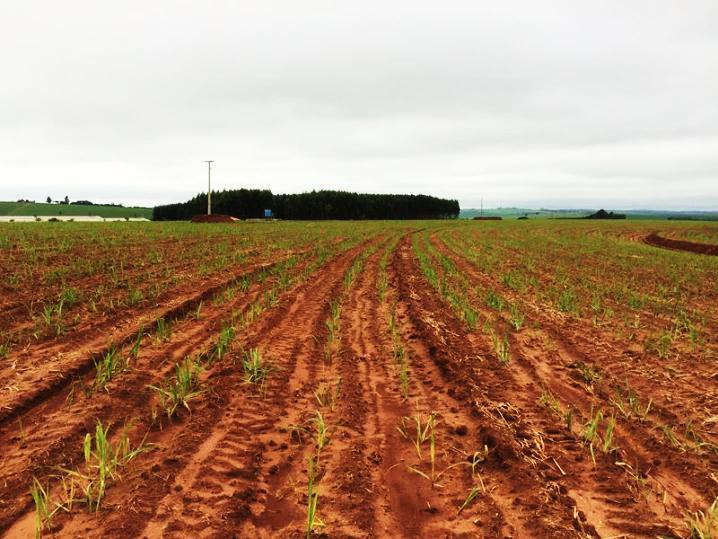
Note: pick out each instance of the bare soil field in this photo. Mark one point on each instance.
(357, 379)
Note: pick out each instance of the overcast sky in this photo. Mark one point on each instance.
(526, 103)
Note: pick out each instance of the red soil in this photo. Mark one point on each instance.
(681, 245)
(236, 466)
(214, 218)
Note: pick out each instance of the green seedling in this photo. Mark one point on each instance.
(704, 525)
(567, 302)
(256, 369)
(44, 512)
(68, 296)
(550, 401)
(470, 316)
(670, 435)
(404, 379)
(433, 476)
(48, 312)
(589, 373)
(164, 330)
(392, 321)
(321, 436)
(501, 348)
(135, 351)
(608, 434)
(423, 429)
(516, 317)
(107, 367)
(382, 285)
(568, 419)
(430, 434)
(494, 301)
(473, 493)
(590, 429)
(102, 462)
(182, 389)
(313, 522)
(333, 327)
(226, 336)
(333, 322)
(134, 297)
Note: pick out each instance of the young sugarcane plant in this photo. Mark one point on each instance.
(429, 434)
(164, 330)
(608, 434)
(44, 512)
(321, 433)
(423, 430)
(590, 431)
(107, 367)
(226, 336)
(473, 493)
(102, 462)
(313, 522)
(516, 316)
(135, 351)
(256, 369)
(430, 429)
(333, 327)
(501, 348)
(182, 389)
(404, 378)
(704, 525)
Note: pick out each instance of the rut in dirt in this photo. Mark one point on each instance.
(215, 466)
(607, 496)
(655, 240)
(50, 434)
(377, 476)
(528, 492)
(613, 374)
(45, 370)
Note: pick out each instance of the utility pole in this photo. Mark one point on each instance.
(209, 186)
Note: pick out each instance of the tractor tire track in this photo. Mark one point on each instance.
(535, 505)
(40, 378)
(537, 371)
(215, 468)
(51, 433)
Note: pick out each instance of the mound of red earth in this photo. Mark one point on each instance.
(681, 245)
(214, 218)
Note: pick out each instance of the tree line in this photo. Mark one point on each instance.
(317, 205)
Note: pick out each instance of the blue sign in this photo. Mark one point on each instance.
(267, 213)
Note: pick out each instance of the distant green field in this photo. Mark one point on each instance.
(23, 208)
(515, 213)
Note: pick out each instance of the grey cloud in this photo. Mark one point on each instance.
(558, 103)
